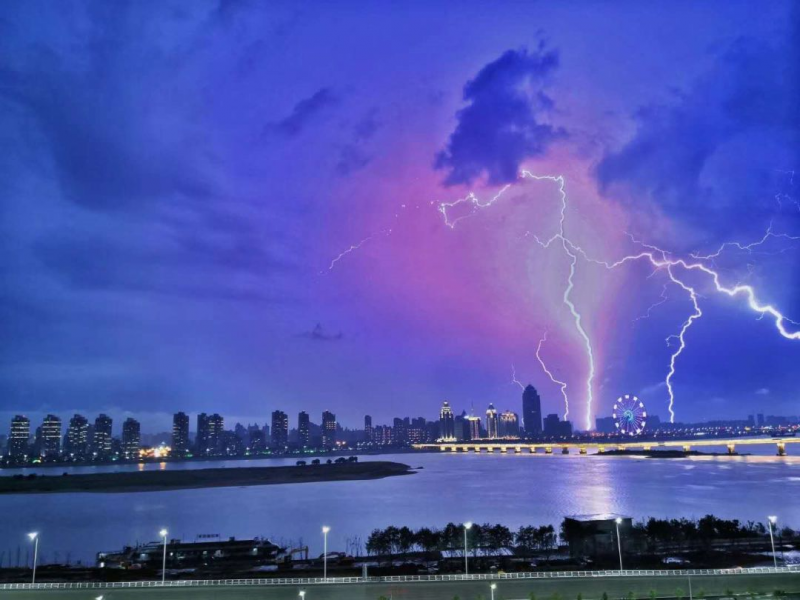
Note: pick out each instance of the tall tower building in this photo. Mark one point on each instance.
(131, 438)
(102, 436)
(446, 423)
(51, 437)
(474, 427)
(77, 442)
(18, 438)
(367, 429)
(304, 429)
(280, 430)
(328, 430)
(492, 424)
(531, 411)
(180, 434)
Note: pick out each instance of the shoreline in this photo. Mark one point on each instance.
(157, 481)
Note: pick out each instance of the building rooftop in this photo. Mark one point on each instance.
(597, 517)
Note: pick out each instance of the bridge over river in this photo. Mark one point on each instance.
(583, 447)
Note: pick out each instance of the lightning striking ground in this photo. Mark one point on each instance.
(659, 259)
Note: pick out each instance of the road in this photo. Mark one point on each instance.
(567, 588)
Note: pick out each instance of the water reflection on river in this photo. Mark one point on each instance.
(512, 489)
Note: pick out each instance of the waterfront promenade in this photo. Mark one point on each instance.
(683, 584)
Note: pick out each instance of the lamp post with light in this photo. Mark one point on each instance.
(493, 587)
(34, 537)
(302, 594)
(325, 531)
(772, 519)
(617, 521)
(163, 533)
(467, 527)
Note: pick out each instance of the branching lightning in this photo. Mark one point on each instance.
(744, 247)
(472, 199)
(660, 260)
(559, 383)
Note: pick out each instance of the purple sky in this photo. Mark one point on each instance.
(178, 177)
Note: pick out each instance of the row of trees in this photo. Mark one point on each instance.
(708, 529)
(481, 539)
(488, 539)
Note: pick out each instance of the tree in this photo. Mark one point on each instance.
(525, 540)
(427, 539)
(405, 539)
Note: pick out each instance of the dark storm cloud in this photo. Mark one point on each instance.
(193, 265)
(304, 112)
(718, 146)
(502, 123)
(92, 106)
(353, 156)
(318, 334)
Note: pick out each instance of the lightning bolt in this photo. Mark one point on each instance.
(562, 384)
(355, 247)
(472, 199)
(659, 259)
(567, 300)
(681, 340)
(652, 307)
(515, 380)
(744, 247)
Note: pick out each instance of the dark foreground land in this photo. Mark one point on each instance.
(778, 586)
(154, 481)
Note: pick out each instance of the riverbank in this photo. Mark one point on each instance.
(154, 481)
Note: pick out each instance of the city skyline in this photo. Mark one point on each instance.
(194, 225)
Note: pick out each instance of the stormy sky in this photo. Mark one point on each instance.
(233, 206)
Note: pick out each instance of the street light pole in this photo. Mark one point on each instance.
(617, 521)
(772, 520)
(493, 587)
(467, 527)
(163, 533)
(325, 531)
(34, 537)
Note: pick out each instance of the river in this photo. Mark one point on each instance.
(509, 489)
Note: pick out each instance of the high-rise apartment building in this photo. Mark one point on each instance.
(101, 443)
(328, 430)
(131, 438)
(367, 428)
(50, 438)
(303, 429)
(76, 444)
(280, 430)
(18, 438)
(180, 434)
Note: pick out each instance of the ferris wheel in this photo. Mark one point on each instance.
(629, 415)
